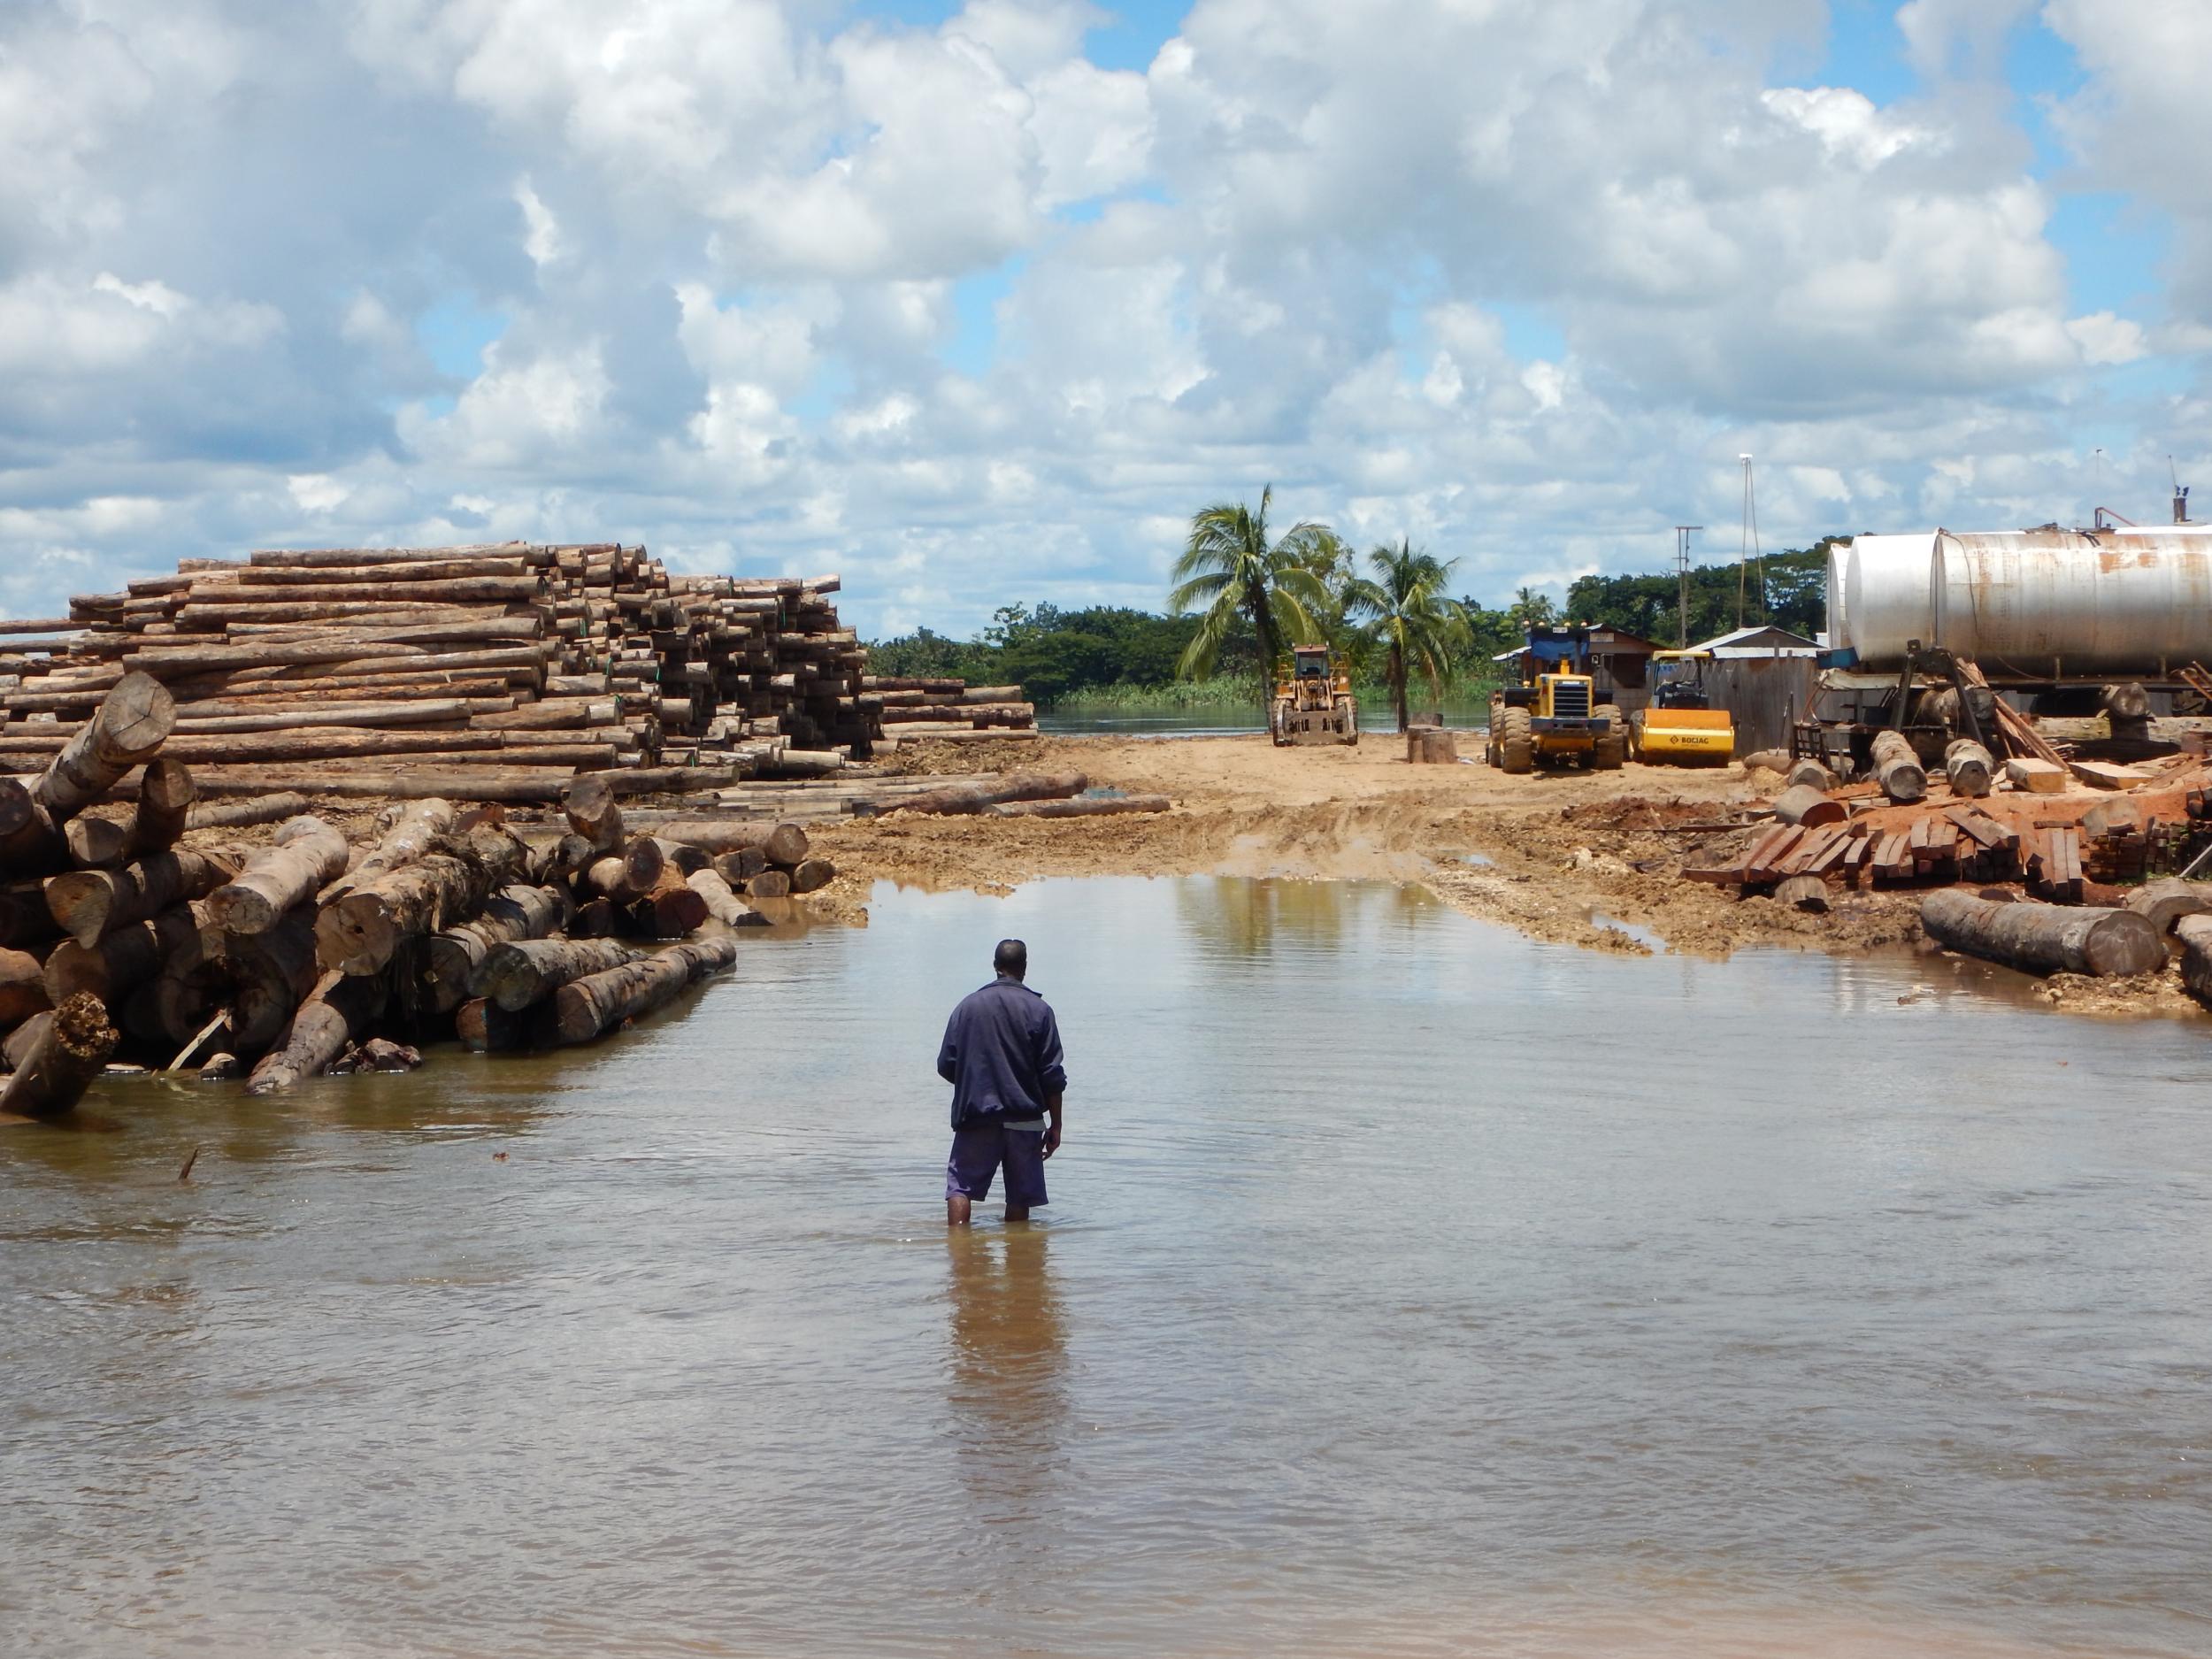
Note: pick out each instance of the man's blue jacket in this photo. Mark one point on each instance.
(1002, 1055)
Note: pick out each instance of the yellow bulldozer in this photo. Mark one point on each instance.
(1681, 727)
(1551, 718)
(1313, 700)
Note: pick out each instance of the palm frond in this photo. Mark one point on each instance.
(1203, 588)
(1213, 627)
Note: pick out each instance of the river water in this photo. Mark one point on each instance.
(1410, 1288)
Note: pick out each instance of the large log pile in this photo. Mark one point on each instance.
(481, 672)
(291, 954)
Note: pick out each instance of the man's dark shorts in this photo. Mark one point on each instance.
(979, 1148)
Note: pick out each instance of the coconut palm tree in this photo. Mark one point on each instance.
(1406, 608)
(1229, 568)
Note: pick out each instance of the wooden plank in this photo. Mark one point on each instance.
(1812, 847)
(1986, 831)
(1829, 857)
(2103, 774)
(1764, 869)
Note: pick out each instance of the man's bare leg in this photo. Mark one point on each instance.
(956, 1211)
(1013, 1214)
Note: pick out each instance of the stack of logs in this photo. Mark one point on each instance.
(152, 930)
(487, 673)
(949, 709)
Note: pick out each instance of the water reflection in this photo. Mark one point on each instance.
(1240, 917)
(1008, 1381)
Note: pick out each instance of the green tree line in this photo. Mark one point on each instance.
(1069, 654)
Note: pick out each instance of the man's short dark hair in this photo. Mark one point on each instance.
(1011, 956)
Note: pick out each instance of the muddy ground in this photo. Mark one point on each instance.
(1564, 856)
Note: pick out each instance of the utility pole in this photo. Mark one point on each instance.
(1682, 533)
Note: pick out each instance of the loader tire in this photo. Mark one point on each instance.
(1607, 753)
(1516, 748)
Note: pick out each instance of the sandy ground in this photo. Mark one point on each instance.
(1583, 858)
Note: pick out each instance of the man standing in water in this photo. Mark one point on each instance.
(1002, 1056)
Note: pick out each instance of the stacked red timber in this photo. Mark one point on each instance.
(481, 673)
(156, 931)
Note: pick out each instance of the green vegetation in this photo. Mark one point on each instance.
(1231, 574)
(1403, 608)
(1791, 592)
(1114, 656)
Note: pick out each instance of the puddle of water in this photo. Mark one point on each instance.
(1410, 1288)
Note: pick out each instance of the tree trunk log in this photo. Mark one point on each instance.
(588, 1007)
(485, 1027)
(256, 601)
(97, 843)
(513, 913)
(1801, 803)
(268, 809)
(597, 918)
(682, 857)
(89, 904)
(2195, 933)
(1101, 806)
(196, 722)
(132, 722)
(25, 918)
(307, 855)
(2044, 937)
(974, 798)
(812, 875)
(31, 842)
(1811, 774)
(629, 875)
(741, 867)
(2163, 904)
(769, 884)
(1898, 770)
(1803, 893)
(555, 714)
(125, 959)
(671, 911)
(783, 845)
(722, 905)
(69, 1054)
(1901, 779)
(1969, 766)
(165, 796)
(337, 1011)
(516, 974)
(23, 991)
(589, 805)
(271, 973)
(361, 932)
(412, 830)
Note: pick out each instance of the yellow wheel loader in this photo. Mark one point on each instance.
(1681, 727)
(1551, 719)
(1313, 702)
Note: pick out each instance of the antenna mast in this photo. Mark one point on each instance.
(1682, 533)
(1744, 552)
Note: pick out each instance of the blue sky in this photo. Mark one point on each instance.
(977, 302)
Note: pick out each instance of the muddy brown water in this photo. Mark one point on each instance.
(1409, 1288)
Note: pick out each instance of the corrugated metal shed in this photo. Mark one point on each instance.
(1765, 640)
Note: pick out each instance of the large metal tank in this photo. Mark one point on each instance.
(2037, 604)
(1888, 596)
